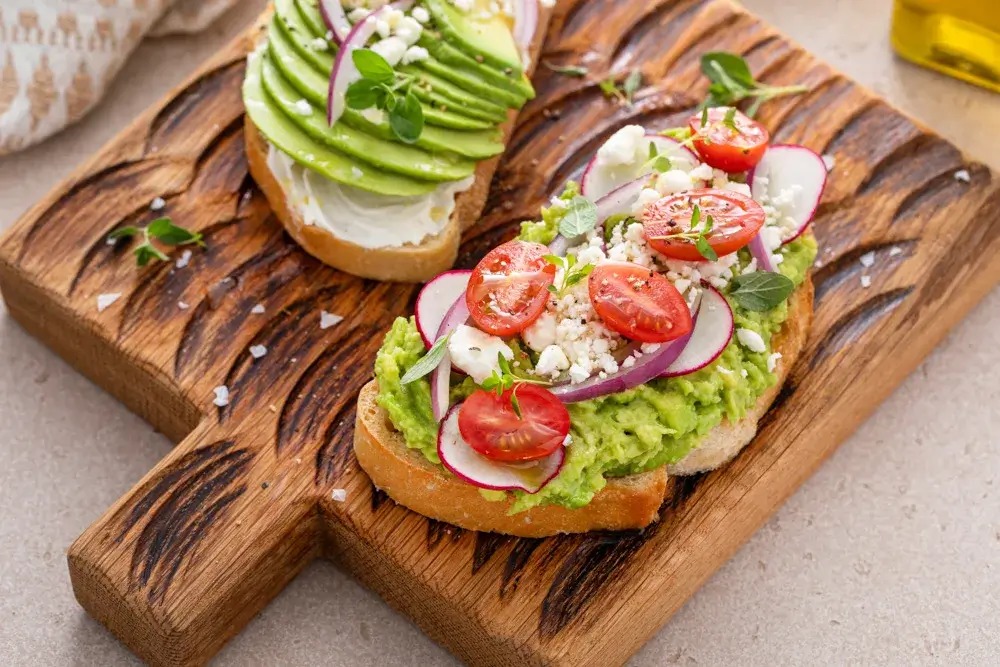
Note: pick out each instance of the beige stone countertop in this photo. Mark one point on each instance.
(889, 555)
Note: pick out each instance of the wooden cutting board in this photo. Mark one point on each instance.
(186, 558)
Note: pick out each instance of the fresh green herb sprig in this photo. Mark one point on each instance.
(579, 218)
(732, 82)
(698, 232)
(760, 290)
(505, 379)
(162, 230)
(626, 91)
(428, 362)
(659, 163)
(573, 273)
(385, 89)
(575, 71)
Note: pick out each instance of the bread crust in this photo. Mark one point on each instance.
(625, 503)
(408, 263)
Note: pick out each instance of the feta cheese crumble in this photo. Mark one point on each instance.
(751, 340)
(963, 176)
(772, 361)
(327, 320)
(258, 351)
(258, 309)
(475, 352)
(183, 260)
(868, 259)
(340, 495)
(183, 305)
(303, 108)
(221, 396)
(157, 204)
(105, 300)
(866, 281)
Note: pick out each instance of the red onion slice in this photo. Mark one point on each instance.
(616, 202)
(441, 376)
(335, 19)
(525, 22)
(470, 466)
(763, 255)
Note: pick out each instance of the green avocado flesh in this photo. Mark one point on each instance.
(488, 40)
(621, 434)
(286, 92)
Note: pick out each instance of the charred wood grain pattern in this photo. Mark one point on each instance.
(187, 557)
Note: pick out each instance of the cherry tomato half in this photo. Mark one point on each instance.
(727, 149)
(736, 219)
(509, 287)
(491, 426)
(638, 303)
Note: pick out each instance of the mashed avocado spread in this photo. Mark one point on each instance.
(621, 434)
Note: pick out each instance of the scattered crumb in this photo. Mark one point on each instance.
(157, 204)
(327, 320)
(105, 300)
(868, 259)
(866, 281)
(895, 250)
(963, 175)
(183, 305)
(221, 396)
(184, 259)
(272, 407)
(340, 495)
(258, 309)
(110, 241)
(258, 351)
(829, 161)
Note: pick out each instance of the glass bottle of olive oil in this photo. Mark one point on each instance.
(957, 37)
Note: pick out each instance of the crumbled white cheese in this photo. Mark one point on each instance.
(303, 108)
(408, 30)
(221, 396)
(895, 250)
(866, 281)
(963, 176)
(258, 351)
(552, 361)
(751, 340)
(258, 309)
(157, 204)
(340, 495)
(475, 352)
(327, 320)
(420, 14)
(183, 260)
(320, 44)
(183, 305)
(622, 147)
(357, 14)
(383, 28)
(542, 332)
(373, 115)
(868, 259)
(702, 172)
(392, 49)
(829, 161)
(105, 300)
(772, 361)
(646, 197)
(415, 54)
(674, 181)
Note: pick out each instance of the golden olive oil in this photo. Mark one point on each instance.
(957, 37)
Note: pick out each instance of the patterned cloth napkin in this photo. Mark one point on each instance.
(57, 57)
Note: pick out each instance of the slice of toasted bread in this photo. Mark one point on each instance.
(407, 263)
(626, 502)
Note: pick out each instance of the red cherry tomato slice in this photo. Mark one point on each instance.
(491, 426)
(638, 303)
(509, 287)
(727, 149)
(736, 219)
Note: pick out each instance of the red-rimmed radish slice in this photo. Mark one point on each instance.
(616, 202)
(525, 22)
(785, 167)
(713, 329)
(469, 465)
(599, 180)
(441, 376)
(765, 258)
(335, 19)
(344, 72)
(435, 300)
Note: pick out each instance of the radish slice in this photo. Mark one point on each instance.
(344, 72)
(763, 254)
(335, 19)
(441, 376)
(790, 168)
(616, 202)
(713, 329)
(599, 180)
(435, 300)
(525, 22)
(469, 465)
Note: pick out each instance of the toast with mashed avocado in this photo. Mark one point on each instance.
(640, 329)
(374, 129)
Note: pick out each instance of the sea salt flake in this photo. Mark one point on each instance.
(963, 175)
(258, 309)
(340, 495)
(157, 204)
(327, 320)
(258, 351)
(895, 250)
(866, 281)
(868, 259)
(184, 259)
(183, 305)
(221, 396)
(105, 300)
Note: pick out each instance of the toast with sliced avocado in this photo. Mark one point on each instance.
(374, 134)
(640, 329)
